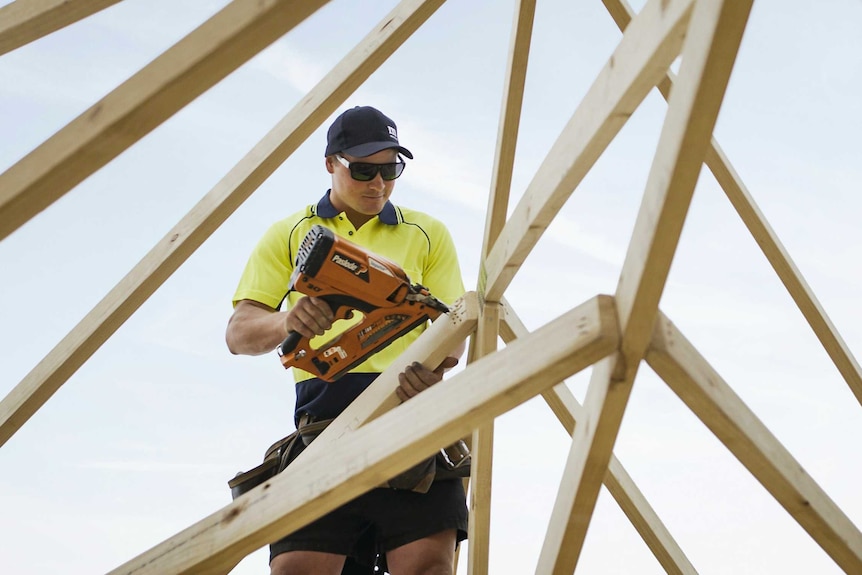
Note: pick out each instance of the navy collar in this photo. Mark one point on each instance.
(325, 209)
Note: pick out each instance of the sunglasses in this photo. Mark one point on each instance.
(364, 172)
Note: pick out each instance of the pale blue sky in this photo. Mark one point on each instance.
(141, 441)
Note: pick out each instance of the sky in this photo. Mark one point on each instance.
(141, 441)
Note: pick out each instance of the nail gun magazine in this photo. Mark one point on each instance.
(353, 282)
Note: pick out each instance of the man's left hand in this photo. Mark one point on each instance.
(417, 378)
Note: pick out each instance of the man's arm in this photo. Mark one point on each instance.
(417, 378)
(255, 328)
(443, 279)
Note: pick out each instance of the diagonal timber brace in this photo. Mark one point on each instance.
(703, 390)
(366, 457)
(617, 480)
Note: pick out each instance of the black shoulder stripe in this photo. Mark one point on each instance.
(418, 227)
(290, 244)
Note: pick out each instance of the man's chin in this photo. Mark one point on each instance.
(372, 207)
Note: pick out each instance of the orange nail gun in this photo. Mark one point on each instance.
(349, 279)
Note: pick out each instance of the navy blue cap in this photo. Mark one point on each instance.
(362, 131)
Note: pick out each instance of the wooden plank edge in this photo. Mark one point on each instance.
(712, 400)
(388, 445)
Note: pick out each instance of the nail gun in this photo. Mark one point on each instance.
(350, 279)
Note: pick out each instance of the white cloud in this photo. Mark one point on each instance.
(290, 65)
(572, 235)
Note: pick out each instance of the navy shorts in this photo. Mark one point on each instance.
(380, 520)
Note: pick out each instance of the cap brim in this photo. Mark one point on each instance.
(371, 148)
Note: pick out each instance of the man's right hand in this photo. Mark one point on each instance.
(310, 316)
(255, 328)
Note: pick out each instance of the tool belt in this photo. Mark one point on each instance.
(278, 456)
(449, 463)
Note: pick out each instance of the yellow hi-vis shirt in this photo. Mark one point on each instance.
(417, 242)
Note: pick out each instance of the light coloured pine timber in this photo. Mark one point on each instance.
(311, 487)
(786, 270)
(617, 480)
(480, 488)
(507, 131)
(485, 341)
(645, 52)
(179, 75)
(703, 390)
(646, 521)
(511, 328)
(710, 49)
(620, 11)
(482, 454)
(429, 348)
(208, 214)
(23, 21)
(585, 470)
(446, 332)
(632, 501)
(766, 238)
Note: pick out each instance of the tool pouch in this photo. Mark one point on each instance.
(451, 462)
(278, 456)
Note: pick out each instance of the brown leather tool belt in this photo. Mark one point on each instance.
(449, 463)
(278, 456)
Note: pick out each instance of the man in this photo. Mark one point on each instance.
(414, 533)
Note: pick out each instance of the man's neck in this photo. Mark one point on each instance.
(358, 220)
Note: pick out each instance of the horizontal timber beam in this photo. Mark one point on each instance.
(366, 457)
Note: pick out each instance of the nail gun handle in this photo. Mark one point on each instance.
(294, 337)
(290, 342)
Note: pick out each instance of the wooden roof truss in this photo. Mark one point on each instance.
(612, 334)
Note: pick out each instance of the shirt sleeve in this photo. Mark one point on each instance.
(267, 273)
(442, 274)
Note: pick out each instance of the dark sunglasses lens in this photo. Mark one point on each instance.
(363, 172)
(391, 171)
